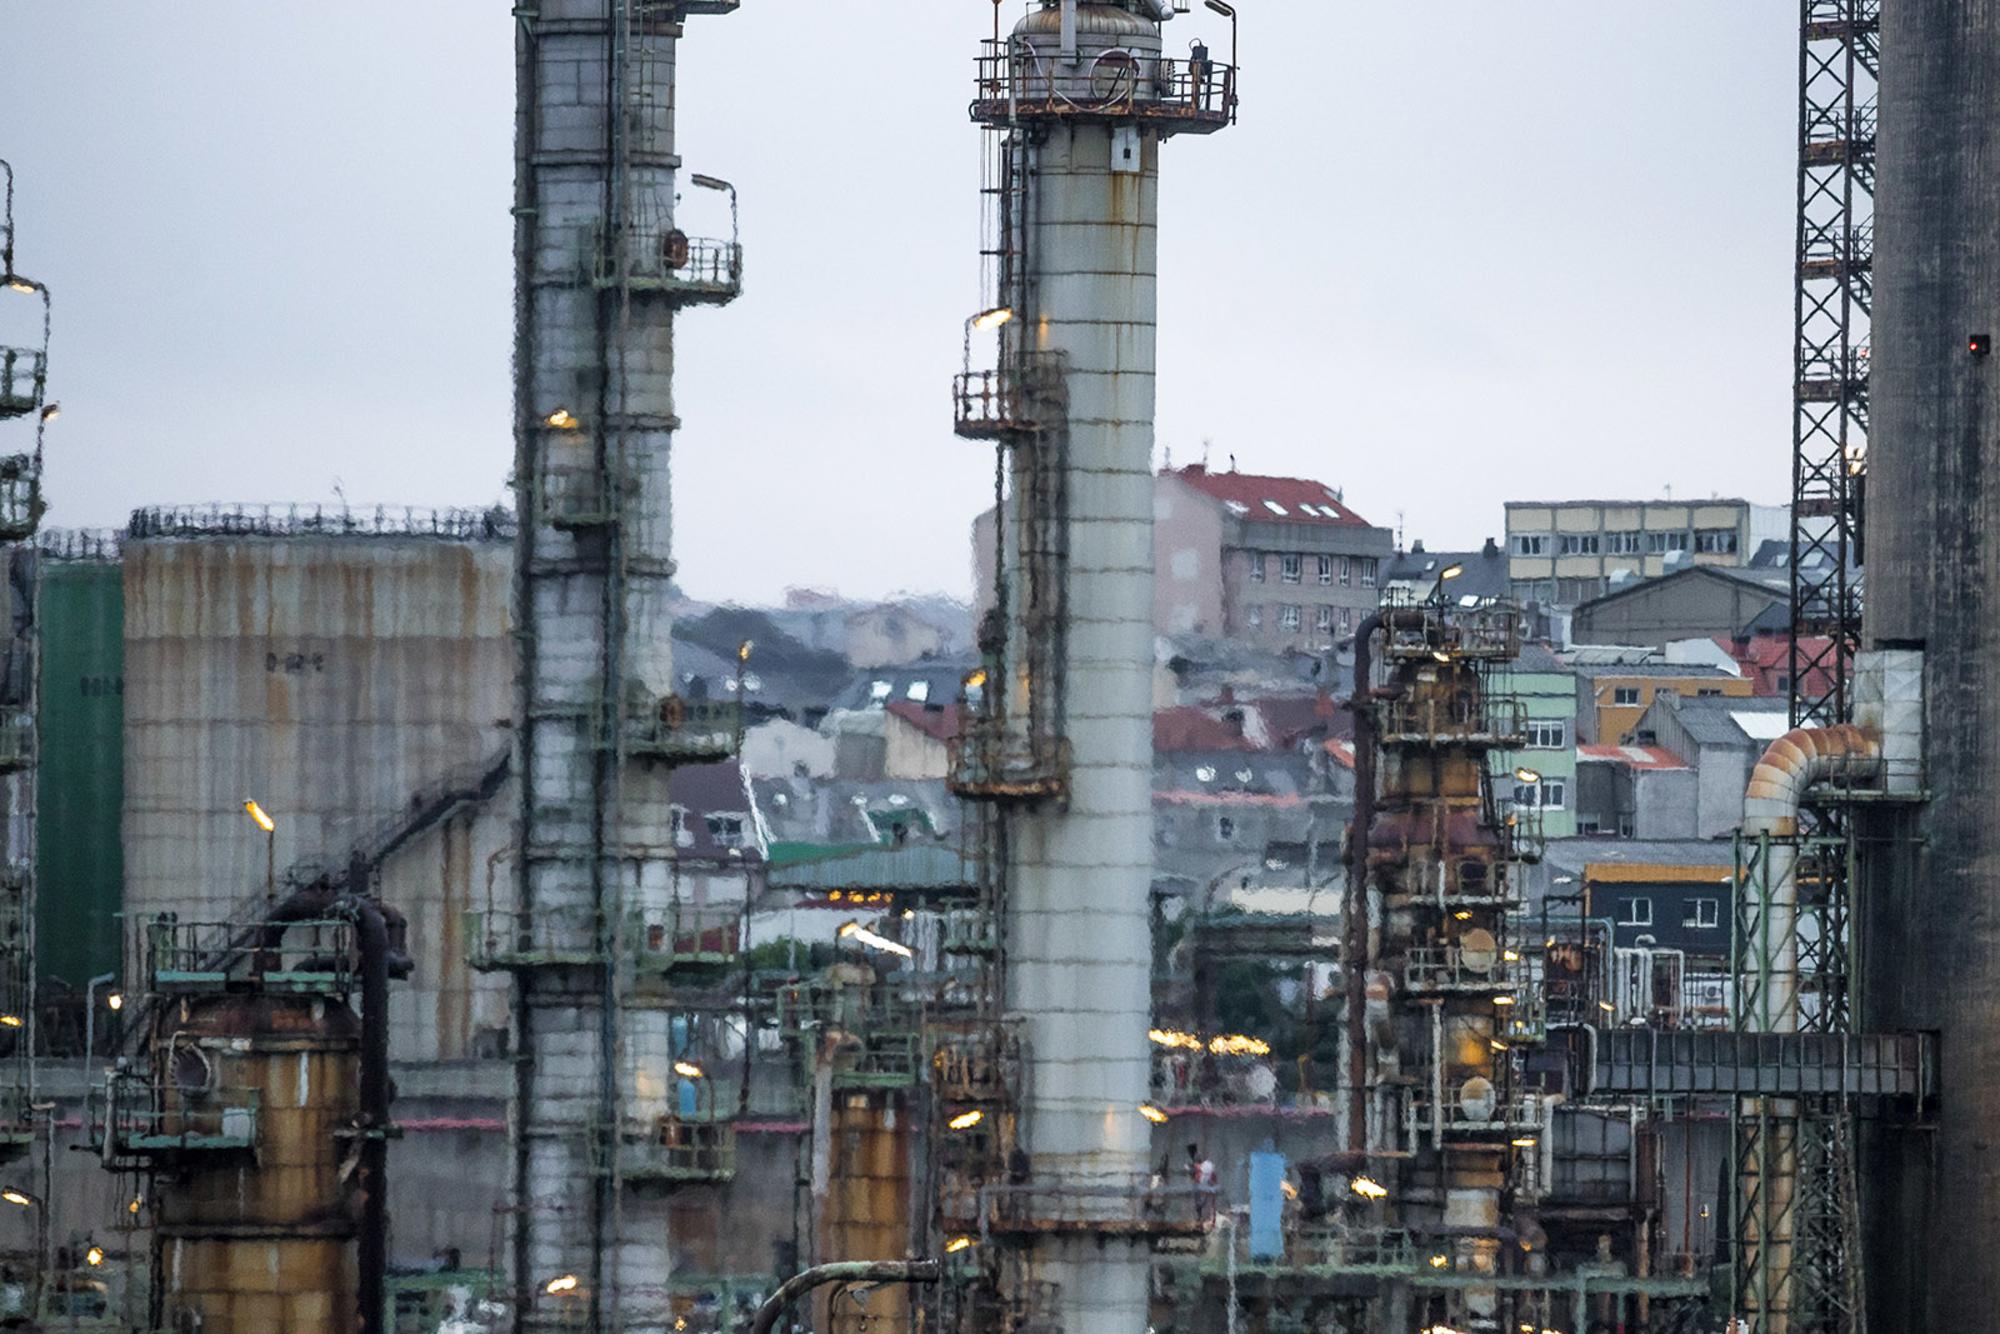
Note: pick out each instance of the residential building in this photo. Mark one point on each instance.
(1644, 792)
(1566, 552)
(1413, 575)
(1275, 563)
(1695, 602)
(1546, 688)
(916, 739)
(1721, 739)
(1767, 661)
(1611, 697)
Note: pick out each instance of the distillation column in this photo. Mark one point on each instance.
(1084, 99)
(600, 270)
(1929, 945)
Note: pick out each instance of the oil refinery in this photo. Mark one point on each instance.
(1238, 919)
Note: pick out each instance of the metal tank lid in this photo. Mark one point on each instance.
(1093, 17)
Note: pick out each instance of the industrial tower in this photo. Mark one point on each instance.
(610, 1116)
(1077, 101)
(24, 402)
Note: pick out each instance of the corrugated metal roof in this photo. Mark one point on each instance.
(1655, 873)
(1633, 757)
(906, 867)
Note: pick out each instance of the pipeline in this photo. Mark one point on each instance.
(372, 928)
(1356, 906)
(1771, 801)
(841, 1271)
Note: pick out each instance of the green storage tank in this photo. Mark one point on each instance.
(80, 860)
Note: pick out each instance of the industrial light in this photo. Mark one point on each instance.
(1503, 1000)
(861, 935)
(975, 680)
(966, 1120)
(133, 1207)
(1450, 572)
(1173, 1037)
(116, 1000)
(94, 1256)
(256, 812)
(1225, 10)
(957, 1244)
(10, 1020)
(743, 650)
(566, 1283)
(1463, 914)
(687, 1070)
(1439, 1261)
(51, 412)
(1291, 1192)
(1152, 1113)
(15, 1197)
(1368, 1188)
(1440, 655)
(563, 420)
(1525, 1142)
(16, 283)
(1607, 1007)
(1509, 956)
(1238, 1044)
(1526, 775)
(1496, 1044)
(992, 319)
(709, 182)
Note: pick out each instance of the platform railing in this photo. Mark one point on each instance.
(310, 957)
(1015, 81)
(22, 372)
(140, 1118)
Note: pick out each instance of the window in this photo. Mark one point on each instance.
(1369, 568)
(1256, 616)
(1579, 544)
(1551, 794)
(1533, 590)
(1326, 569)
(1658, 544)
(1289, 568)
(1708, 692)
(683, 836)
(1715, 541)
(1531, 544)
(878, 691)
(1225, 829)
(1346, 571)
(1625, 696)
(1289, 617)
(1256, 567)
(1703, 914)
(1547, 734)
(1627, 543)
(725, 828)
(1346, 620)
(1635, 912)
(1323, 619)
(1569, 592)
(917, 692)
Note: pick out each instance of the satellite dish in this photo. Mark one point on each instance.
(1478, 950)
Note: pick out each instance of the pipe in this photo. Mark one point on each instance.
(841, 1271)
(372, 930)
(1356, 906)
(1771, 801)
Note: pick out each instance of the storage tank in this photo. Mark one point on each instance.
(338, 667)
(1929, 943)
(80, 869)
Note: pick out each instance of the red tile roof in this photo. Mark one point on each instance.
(1635, 757)
(1297, 499)
(1189, 728)
(939, 724)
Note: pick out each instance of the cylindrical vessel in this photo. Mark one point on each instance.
(1929, 951)
(256, 1229)
(1078, 875)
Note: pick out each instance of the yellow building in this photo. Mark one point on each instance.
(1612, 697)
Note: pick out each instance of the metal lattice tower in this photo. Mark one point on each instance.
(1839, 61)
(23, 399)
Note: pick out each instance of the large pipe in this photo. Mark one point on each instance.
(1771, 801)
(841, 1271)
(372, 930)
(1355, 908)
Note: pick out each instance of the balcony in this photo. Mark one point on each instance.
(22, 374)
(685, 731)
(687, 936)
(875, 1033)
(147, 1121)
(695, 271)
(678, 1150)
(1491, 1115)
(1022, 396)
(1457, 719)
(581, 499)
(304, 958)
(501, 939)
(992, 763)
(1430, 630)
(1173, 96)
(1132, 1207)
(1439, 969)
(20, 497)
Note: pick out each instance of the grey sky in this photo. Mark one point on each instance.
(1454, 254)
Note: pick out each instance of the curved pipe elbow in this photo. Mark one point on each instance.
(1794, 762)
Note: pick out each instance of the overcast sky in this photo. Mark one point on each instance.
(1454, 254)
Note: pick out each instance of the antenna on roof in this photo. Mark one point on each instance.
(1232, 463)
(1206, 441)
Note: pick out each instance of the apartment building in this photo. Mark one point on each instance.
(1562, 553)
